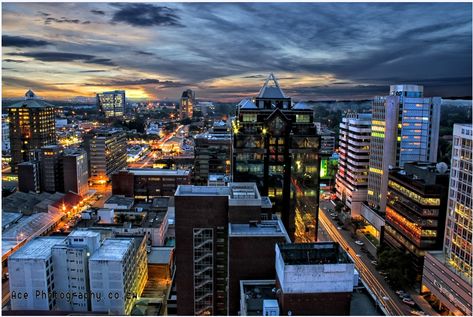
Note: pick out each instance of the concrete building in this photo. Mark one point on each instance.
(118, 267)
(31, 124)
(32, 277)
(148, 183)
(75, 172)
(416, 210)
(52, 178)
(29, 177)
(212, 153)
(106, 151)
(202, 217)
(352, 176)
(71, 269)
(251, 255)
(112, 103)
(314, 279)
(448, 274)
(405, 128)
(275, 145)
(186, 106)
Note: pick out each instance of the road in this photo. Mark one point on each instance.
(368, 273)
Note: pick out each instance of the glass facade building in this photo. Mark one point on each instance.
(112, 103)
(276, 145)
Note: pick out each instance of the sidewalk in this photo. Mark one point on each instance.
(423, 304)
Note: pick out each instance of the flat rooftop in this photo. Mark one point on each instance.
(157, 172)
(267, 228)
(120, 200)
(84, 233)
(160, 255)
(37, 249)
(252, 295)
(113, 249)
(313, 253)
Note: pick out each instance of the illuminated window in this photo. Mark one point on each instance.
(302, 118)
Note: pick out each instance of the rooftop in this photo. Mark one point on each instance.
(157, 172)
(113, 249)
(31, 101)
(252, 295)
(247, 104)
(37, 249)
(84, 233)
(271, 92)
(120, 200)
(160, 255)
(267, 228)
(313, 253)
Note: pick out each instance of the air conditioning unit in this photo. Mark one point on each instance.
(270, 307)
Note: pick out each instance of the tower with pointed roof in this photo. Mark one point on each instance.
(32, 125)
(276, 145)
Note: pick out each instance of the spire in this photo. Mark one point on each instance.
(271, 91)
(30, 95)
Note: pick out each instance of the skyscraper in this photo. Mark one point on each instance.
(352, 176)
(405, 128)
(75, 171)
(187, 104)
(111, 103)
(276, 145)
(52, 177)
(32, 126)
(106, 150)
(447, 274)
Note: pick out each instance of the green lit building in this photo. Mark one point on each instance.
(276, 145)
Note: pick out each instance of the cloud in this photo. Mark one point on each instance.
(144, 53)
(66, 57)
(10, 60)
(139, 82)
(21, 41)
(98, 12)
(48, 20)
(93, 71)
(142, 14)
(35, 85)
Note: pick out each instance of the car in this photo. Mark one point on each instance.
(382, 273)
(358, 255)
(417, 312)
(409, 302)
(385, 298)
(339, 228)
(359, 242)
(399, 292)
(374, 262)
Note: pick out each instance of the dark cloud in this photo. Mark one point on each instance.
(20, 41)
(21, 82)
(44, 14)
(66, 57)
(48, 20)
(144, 53)
(93, 71)
(98, 12)
(139, 82)
(11, 60)
(142, 14)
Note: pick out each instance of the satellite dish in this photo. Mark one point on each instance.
(441, 167)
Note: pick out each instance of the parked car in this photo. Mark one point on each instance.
(374, 262)
(359, 242)
(409, 302)
(399, 292)
(339, 228)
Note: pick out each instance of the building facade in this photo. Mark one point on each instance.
(76, 172)
(405, 128)
(186, 106)
(29, 177)
(32, 126)
(106, 151)
(275, 145)
(148, 183)
(448, 274)
(112, 103)
(212, 153)
(5, 134)
(352, 176)
(52, 177)
(416, 210)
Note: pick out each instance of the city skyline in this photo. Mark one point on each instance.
(221, 50)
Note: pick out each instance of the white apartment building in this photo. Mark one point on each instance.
(352, 176)
(404, 128)
(71, 269)
(118, 274)
(32, 277)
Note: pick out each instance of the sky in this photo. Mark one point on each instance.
(224, 51)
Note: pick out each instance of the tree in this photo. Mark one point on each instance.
(398, 265)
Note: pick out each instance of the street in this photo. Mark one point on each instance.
(368, 273)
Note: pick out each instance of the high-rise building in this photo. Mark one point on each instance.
(29, 177)
(212, 153)
(5, 134)
(32, 126)
(275, 144)
(52, 178)
(187, 104)
(106, 151)
(405, 128)
(416, 210)
(202, 218)
(112, 103)
(75, 172)
(352, 176)
(447, 274)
